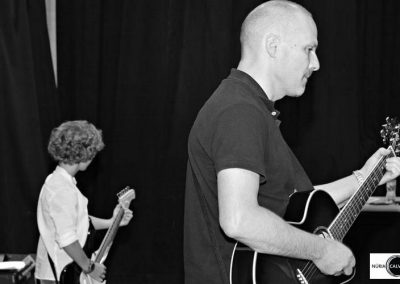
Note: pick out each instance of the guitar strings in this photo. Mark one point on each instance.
(337, 233)
(366, 190)
(359, 198)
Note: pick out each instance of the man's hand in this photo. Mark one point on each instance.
(392, 165)
(336, 260)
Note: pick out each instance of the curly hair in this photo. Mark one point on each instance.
(75, 141)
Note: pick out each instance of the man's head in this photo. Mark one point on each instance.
(279, 41)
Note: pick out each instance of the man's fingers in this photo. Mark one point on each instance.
(383, 151)
(348, 270)
(393, 165)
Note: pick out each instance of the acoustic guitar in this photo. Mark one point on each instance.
(313, 211)
(72, 273)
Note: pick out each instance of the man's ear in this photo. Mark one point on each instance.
(271, 44)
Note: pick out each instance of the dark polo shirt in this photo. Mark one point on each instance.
(236, 128)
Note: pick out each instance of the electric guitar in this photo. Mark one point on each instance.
(72, 273)
(313, 211)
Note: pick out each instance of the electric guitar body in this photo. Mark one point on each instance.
(72, 272)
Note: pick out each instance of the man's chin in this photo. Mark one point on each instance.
(301, 90)
(297, 93)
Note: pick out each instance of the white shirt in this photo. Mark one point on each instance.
(62, 218)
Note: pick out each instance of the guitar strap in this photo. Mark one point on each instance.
(53, 268)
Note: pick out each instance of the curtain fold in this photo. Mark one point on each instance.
(28, 103)
(51, 19)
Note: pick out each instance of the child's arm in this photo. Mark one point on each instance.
(100, 223)
(94, 270)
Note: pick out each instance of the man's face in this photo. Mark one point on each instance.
(298, 57)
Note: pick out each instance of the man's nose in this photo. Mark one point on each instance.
(314, 62)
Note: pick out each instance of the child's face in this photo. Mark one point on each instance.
(83, 165)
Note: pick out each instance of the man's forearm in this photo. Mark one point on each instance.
(266, 232)
(341, 190)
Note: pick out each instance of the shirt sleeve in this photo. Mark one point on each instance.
(239, 140)
(63, 211)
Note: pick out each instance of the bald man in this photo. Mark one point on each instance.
(241, 172)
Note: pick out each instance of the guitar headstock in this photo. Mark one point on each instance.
(125, 196)
(390, 134)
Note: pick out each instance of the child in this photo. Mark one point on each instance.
(62, 213)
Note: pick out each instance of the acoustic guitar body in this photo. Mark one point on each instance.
(312, 211)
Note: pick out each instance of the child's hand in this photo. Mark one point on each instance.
(128, 214)
(99, 272)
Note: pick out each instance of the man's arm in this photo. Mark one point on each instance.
(342, 189)
(243, 219)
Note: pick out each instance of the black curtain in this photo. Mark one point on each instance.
(27, 113)
(140, 70)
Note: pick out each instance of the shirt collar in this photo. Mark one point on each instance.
(63, 172)
(249, 81)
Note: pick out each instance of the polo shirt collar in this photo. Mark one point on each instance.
(249, 81)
